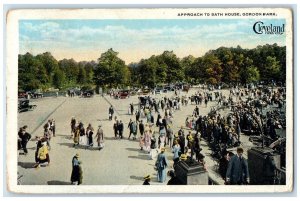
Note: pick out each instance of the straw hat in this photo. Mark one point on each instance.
(183, 157)
(163, 149)
(147, 177)
(77, 155)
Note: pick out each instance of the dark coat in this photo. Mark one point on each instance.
(146, 182)
(76, 171)
(24, 137)
(174, 181)
(237, 170)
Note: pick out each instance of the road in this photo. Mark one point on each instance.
(121, 162)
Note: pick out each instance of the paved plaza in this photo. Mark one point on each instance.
(120, 162)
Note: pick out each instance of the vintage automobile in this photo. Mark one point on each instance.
(88, 94)
(158, 90)
(143, 92)
(122, 94)
(35, 94)
(23, 105)
(186, 88)
(22, 94)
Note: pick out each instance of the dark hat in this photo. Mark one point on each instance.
(240, 149)
(171, 173)
(201, 156)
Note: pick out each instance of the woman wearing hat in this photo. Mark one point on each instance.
(76, 136)
(100, 137)
(147, 180)
(153, 147)
(161, 165)
(76, 175)
(176, 151)
(147, 139)
(89, 135)
(42, 154)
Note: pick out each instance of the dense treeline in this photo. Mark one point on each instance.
(223, 65)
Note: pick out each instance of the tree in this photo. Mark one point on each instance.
(252, 74)
(58, 79)
(81, 78)
(111, 70)
(70, 69)
(271, 69)
(49, 62)
(89, 70)
(213, 69)
(28, 68)
(174, 69)
(147, 71)
(187, 66)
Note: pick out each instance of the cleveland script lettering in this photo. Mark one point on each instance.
(260, 28)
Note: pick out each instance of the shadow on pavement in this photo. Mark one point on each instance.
(70, 145)
(133, 149)
(142, 157)
(111, 138)
(102, 119)
(26, 165)
(58, 183)
(137, 178)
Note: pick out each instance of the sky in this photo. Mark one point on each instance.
(86, 40)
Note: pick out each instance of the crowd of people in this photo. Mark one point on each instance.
(250, 112)
(85, 136)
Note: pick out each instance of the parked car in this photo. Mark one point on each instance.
(22, 94)
(158, 90)
(123, 94)
(23, 105)
(88, 93)
(35, 94)
(186, 88)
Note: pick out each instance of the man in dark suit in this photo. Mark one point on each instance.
(24, 138)
(141, 128)
(111, 112)
(121, 129)
(237, 171)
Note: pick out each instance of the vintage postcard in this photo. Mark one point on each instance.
(139, 100)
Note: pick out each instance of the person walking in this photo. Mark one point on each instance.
(76, 136)
(176, 151)
(147, 139)
(82, 137)
(130, 128)
(42, 155)
(237, 171)
(141, 128)
(89, 135)
(116, 129)
(161, 165)
(153, 147)
(121, 129)
(110, 112)
(24, 138)
(73, 125)
(52, 127)
(100, 137)
(77, 173)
